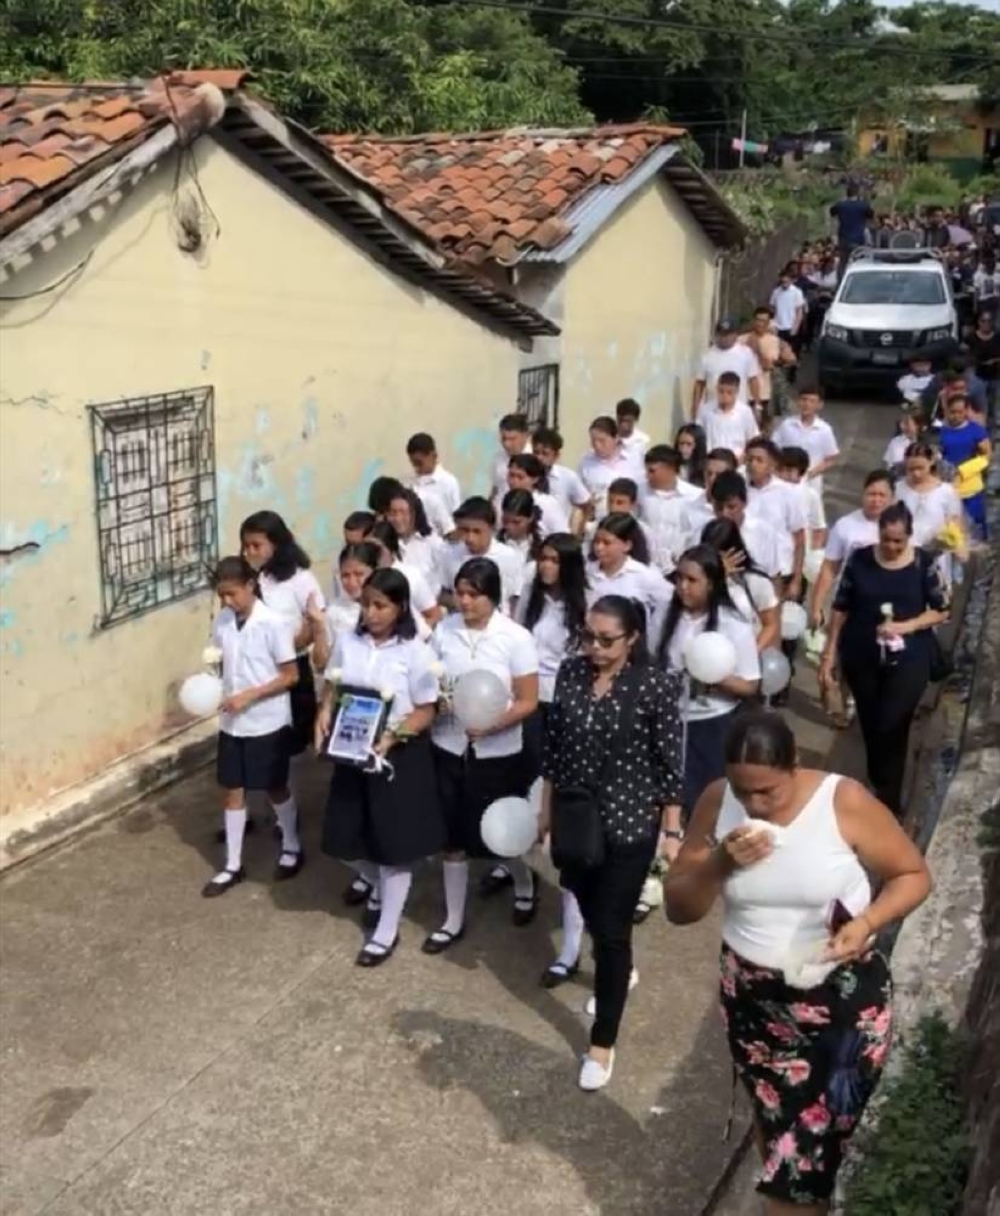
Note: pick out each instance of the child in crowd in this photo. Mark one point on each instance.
(665, 507)
(565, 485)
(357, 526)
(690, 443)
(912, 425)
(526, 472)
(810, 433)
(477, 521)
(514, 439)
(634, 442)
(429, 474)
(623, 499)
(912, 385)
(793, 467)
(731, 424)
(962, 440)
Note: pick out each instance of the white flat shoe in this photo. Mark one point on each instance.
(590, 1009)
(594, 1076)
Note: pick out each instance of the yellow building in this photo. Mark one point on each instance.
(949, 125)
(611, 232)
(201, 315)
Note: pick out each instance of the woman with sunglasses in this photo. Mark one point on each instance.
(613, 730)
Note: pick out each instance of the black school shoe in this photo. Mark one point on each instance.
(282, 873)
(367, 957)
(213, 889)
(357, 892)
(495, 880)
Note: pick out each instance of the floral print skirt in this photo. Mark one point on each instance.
(810, 1060)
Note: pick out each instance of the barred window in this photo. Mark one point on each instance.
(538, 395)
(157, 526)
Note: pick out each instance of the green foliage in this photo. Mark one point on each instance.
(766, 199)
(926, 185)
(917, 1163)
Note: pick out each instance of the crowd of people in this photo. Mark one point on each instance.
(579, 592)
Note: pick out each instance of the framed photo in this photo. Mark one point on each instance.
(360, 718)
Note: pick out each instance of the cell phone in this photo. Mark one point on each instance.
(839, 916)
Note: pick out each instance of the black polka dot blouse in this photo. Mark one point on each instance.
(646, 774)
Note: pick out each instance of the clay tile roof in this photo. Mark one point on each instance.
(523, 180)
(55, 135)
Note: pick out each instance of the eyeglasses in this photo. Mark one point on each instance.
(604, 640)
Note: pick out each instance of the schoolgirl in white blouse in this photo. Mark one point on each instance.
(750, 589)
(621, 567)
(425, 603)
(474, 769)
(388, 818)
(419, 545)
(526, 472)
(519, 528)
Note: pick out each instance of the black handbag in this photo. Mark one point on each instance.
(578, 841)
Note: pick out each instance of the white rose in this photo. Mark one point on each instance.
(886, 609)
(437, 669)
(387, 694)
(211, 656)
(335, 676)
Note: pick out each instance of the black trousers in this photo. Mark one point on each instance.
(886, 699)
(795, 342)
(607, 895)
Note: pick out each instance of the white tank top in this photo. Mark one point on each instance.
(777, 912)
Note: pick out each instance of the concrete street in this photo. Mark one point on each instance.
(165, 1054)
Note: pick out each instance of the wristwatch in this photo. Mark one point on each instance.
(672, 833)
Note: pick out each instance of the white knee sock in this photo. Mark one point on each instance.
(524, 879)
(395, 885)
(456, 887)
(236, 823)
(572, 924)
(288, 820)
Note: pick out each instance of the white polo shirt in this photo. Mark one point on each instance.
(786, 302)
(426, 554)
(763, 545)
(508, 562)
(700, 513)
(252, 656)
(566, 488)
(779, 505)
(501, 463)
(636, 582)
(553, 517)
(712, 703)
(738, 358)
(817, 439)
(443, 484)
(752, 594)
(732, 429)
(931, 509)
(398, 666)
(438, 515)
(597, 474)
(667, 516)
(551, 638)
(850, 532)
(502, 647)
(290, 598)
(636, 445)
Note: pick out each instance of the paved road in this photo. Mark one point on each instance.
(164, 1054)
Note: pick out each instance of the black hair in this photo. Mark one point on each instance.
(696, 465)
(631, 617)
(549, 437)
(663, 453)
(385, 534)
(395, 586)
(514, 422)
(572, 585)
(606, 425)
(729, 378)
(421, 444)
(764, 308)
(235, 569)
(897, 513)
(477, 510)
(794, 458)
(877, 475)
(522, 503)
(920, 447)
(288, 555)
(529, 463)
(381, 492)
(765, 444)
(725, 455)
(726, 486)
(628, 408)
(359, 521)
(627, 528)
(810, 390)
(361, 551)
(413, 500)
(712, 566)
(626, 487)
(724, 536)
(483, 576)
(762, 738)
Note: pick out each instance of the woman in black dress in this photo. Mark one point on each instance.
(387, 814)
(614, 734)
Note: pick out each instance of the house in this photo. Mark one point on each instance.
(949, 124)
(201, 314)
(611, 232)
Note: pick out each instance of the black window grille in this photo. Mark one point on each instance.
(538, 395)
(154, 469)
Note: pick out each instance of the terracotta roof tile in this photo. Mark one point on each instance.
(522, 181)
(52, 135)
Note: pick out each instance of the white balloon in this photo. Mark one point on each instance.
(812, 565)
(479, 700)
(509, 827)
(201, 694)
(793, 620)
(775, 671)
(710, 657)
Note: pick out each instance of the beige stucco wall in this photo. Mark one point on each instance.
(322, 364)
(637, 315)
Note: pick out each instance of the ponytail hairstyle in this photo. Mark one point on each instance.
(530, 465)
(522, 503)
(288, 555)
(709, 561)
(384, 534)
(626, 528)
(235, 569)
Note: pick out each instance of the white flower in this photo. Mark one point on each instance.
(211, 656)
(437, 669)
(886, 609)
(335, 675)
(387, 694)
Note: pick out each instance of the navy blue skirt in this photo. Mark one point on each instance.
(254, 762)
(303, 701)
(467, 786)
(704, 760)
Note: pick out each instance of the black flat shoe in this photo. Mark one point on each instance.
(441, 940)
(251, 827)
(642, 911)
(526, 909)
(357, 893)
(282, 873)
(494, 881)
(367, 957)
(213, 889)
(371, 916)
(558, 973)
